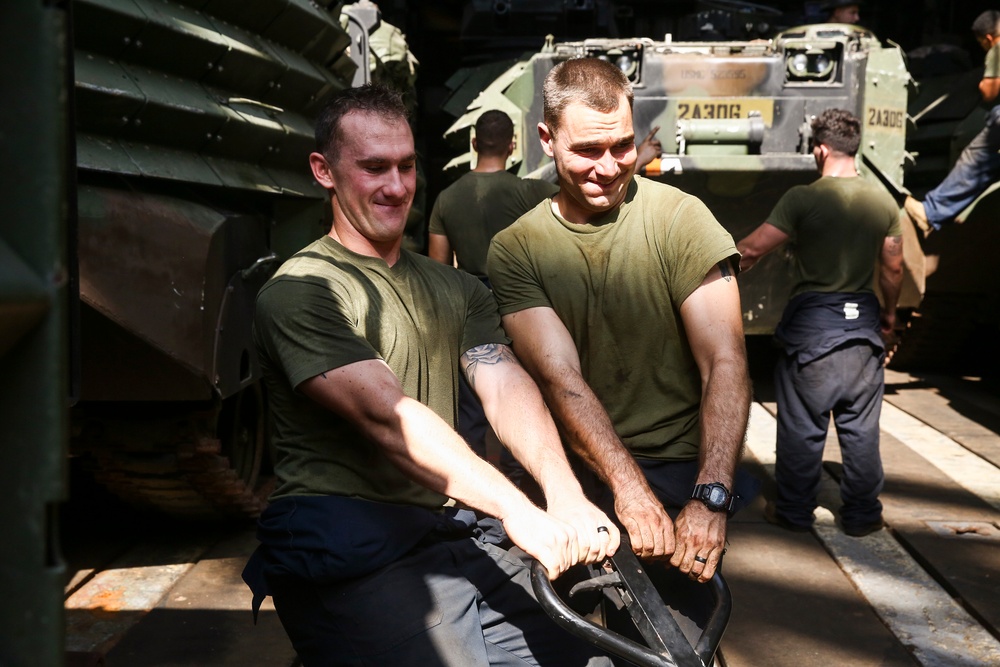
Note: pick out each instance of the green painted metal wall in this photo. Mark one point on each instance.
(33, 358)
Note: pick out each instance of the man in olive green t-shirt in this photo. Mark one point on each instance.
(469, 212)
(832, 329)
(620, 297)
(361, 343)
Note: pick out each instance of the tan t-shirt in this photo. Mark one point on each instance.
(618, 284)
(328, 307)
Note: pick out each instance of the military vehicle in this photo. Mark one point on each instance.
(734, 125)
(192, 131)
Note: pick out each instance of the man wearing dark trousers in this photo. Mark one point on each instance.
(620, 297)
(832, 330)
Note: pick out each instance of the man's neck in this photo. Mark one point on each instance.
(486, 164)
(355, 242)
(839, 167)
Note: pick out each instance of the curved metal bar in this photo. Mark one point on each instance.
(708, 643)
(667, 645)
(605, 639)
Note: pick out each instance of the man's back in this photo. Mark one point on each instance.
(472, 210)
(837, 225)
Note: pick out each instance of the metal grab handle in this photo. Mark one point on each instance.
(667, 646)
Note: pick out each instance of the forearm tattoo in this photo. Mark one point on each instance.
(489, 354)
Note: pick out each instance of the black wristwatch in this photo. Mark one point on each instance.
(715, 496)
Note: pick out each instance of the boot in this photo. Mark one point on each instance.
(915, 212)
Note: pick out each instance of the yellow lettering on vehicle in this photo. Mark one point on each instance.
(890, 118)
(724, 108)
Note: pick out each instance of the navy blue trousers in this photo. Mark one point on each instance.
(458, 603)
(847, 383)
(976, 168)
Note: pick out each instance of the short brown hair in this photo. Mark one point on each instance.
(494, 132)
(987, 24)
(594, 82)
(838, 129)
(374, 98)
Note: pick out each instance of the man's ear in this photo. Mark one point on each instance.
(321, 170)
(546, 138)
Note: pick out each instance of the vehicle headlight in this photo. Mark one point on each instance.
(810, 64)
(799, 63)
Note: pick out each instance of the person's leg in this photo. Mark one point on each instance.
(857, 422)
(976, 168)
(417, 611)
(515, 629)
(803, 394)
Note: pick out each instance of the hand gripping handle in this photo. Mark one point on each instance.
(666, 644)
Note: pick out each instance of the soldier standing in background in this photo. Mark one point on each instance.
(465, 217)
(830, 331)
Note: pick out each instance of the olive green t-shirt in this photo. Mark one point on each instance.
(837, 227)
(478, 205)
(618, 285)
(328, 307)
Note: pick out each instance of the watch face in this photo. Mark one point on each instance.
(717, 496)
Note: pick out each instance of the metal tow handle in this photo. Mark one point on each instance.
(666, 644)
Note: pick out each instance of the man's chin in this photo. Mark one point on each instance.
(606, 201)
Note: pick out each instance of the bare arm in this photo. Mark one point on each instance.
(761, 241)
(428, 451)
(890, 277)
(439, 249)
(714, 326)
(517, 413)
(545, 347)
(989, 88)
(649, 150)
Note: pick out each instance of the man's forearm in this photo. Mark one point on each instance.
(519, 417)
(890, 276)
(589, 431)
(725, 411)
